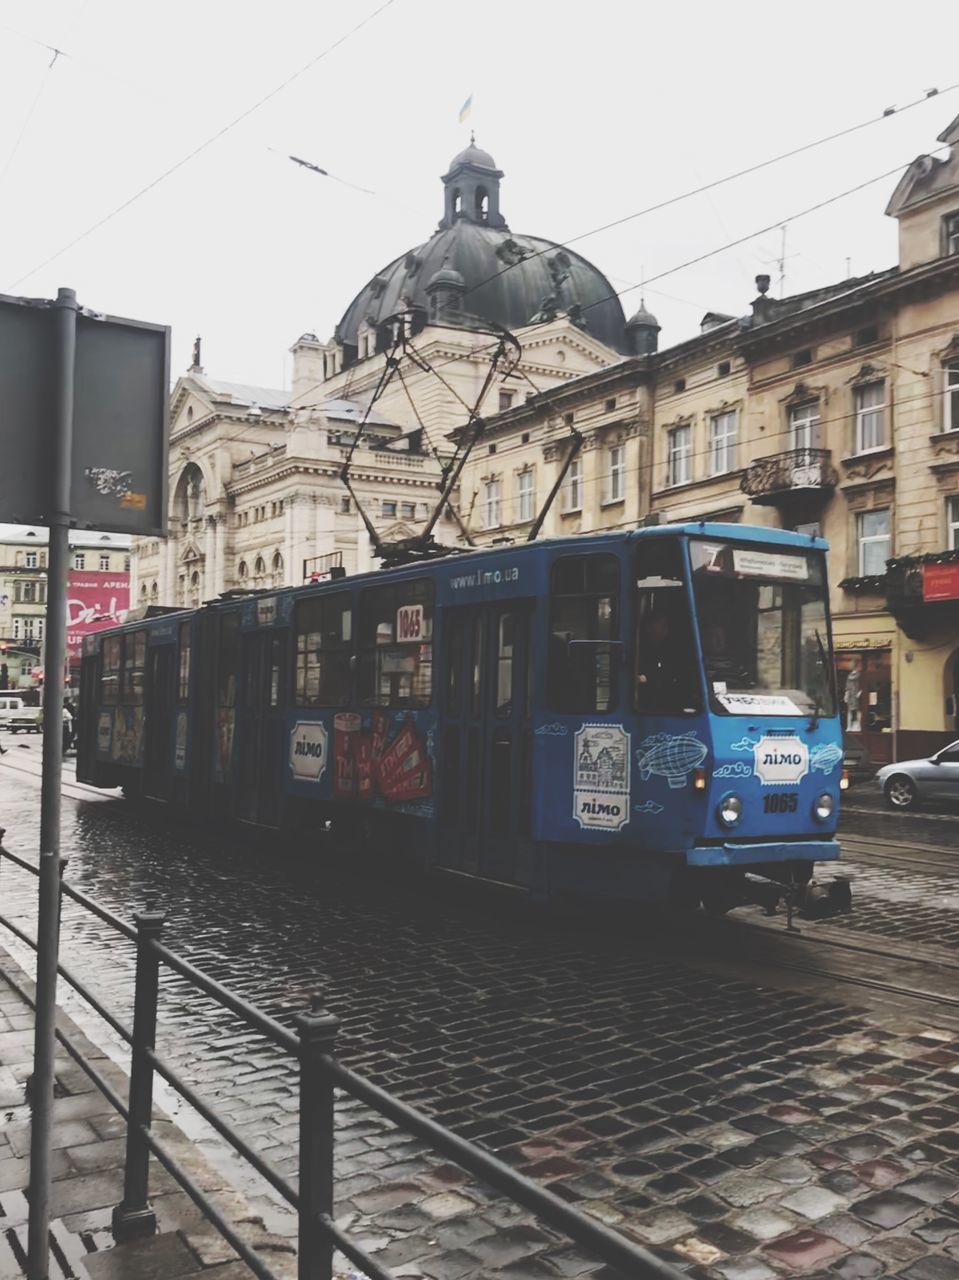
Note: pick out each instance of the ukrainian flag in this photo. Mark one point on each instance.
(466, 108)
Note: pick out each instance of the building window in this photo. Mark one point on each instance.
(30, 560)
(678, 455)
(679, 385)
(610, 405)
(568, 419)
(241, 569)
(950, 413)
(524, 438)
(79, 560)
(388, 508)
(524, 491)
(346, 506)
(874, 537)
(801, 358)
(491, 517)
(804, 425)
(870, 416)
(573, 488)
(952, 520)
(722, 369)
(616, 475)
(723, 431)
(408, 510)
(505, 401)
(492, 448)
(952, 234)
(105, 563)
(866, 337)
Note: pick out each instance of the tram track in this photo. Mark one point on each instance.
(937, 859)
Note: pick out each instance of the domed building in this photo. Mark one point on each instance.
(473, 272)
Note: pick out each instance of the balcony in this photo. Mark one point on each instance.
(798, 477)
(922, 593)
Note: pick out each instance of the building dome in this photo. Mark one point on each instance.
(505, 279)
(643, 319)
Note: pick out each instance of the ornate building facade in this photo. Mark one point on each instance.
(256, 494)
(834, 411)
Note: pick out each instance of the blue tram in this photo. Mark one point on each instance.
(648, 715)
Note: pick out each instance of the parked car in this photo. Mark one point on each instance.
(16, 715)
(856, 761)
(909, 782)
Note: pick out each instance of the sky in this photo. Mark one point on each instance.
(594, 111)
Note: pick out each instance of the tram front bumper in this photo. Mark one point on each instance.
(731, 854)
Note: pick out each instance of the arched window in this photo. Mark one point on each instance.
(143, 593)
(457, 203)
(154, 593)
(482, 204)
(241, 570)
(195, 588)
(189, 496)
(259, 569)
(277, 569)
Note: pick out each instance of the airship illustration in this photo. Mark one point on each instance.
(672, 757)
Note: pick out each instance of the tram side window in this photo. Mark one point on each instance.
(396, 645)
(666, 671)
(324, 647)
(584, 628)
(183, 680)
(134, 662)
(228, 665)
(110, 670)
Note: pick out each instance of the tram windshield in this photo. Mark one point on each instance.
(762, 618)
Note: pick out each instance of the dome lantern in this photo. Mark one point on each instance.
(445, 290)
(472, 189)
(642, 331)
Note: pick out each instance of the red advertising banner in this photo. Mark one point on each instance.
(94, 601)
(940, 582)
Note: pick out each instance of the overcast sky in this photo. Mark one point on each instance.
(593, 110)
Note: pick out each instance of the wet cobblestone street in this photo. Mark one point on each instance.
(743, 1130)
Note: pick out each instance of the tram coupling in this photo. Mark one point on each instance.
(810, 901)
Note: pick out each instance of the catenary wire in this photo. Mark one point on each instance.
(682, 266)
(208, 142)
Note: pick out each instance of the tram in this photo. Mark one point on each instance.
(648, 716)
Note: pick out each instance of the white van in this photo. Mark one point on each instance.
(16, 715)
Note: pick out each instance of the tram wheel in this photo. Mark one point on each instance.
(901, 791)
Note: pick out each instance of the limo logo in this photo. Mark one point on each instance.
(601, 777)
(308, 750)
(781, 760)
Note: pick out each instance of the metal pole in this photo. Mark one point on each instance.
(317, 1030)
(48, 913)
(134, 1216)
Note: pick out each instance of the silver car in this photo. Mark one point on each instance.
(911, 781)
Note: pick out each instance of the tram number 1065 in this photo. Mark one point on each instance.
(780, 802)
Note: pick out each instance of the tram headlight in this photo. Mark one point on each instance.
(730, 810)
(824, 806)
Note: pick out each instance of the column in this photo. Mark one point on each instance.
(168, 583)
(292, 572)
(209, 559)
(221, 534)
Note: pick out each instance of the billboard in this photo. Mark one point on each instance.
(940, 581)
(94, 601)
(121, 392)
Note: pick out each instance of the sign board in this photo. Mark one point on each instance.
(308, 750)
(94, 601)
(780, 760)
(940, 582)
(410, 624)
(118, 479)
(266, 612)
(769, 564)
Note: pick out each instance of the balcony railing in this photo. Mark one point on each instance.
(790, 474)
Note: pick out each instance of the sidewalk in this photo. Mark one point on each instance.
(87, 1166)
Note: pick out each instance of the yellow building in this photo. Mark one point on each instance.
(834, 411)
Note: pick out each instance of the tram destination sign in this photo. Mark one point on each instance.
(118, 480)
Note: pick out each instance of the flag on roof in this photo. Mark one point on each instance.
(466, 108)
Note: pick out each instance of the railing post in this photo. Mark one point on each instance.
(134, 1215)
(317, 1030)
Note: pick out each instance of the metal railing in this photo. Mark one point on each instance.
(797, 469)
(312, 1045)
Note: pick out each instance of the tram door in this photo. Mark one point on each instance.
(159, 710)
(487, 748)
(260, 730)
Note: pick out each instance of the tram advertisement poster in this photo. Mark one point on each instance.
(375, 758)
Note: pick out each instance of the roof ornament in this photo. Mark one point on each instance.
(196, 366)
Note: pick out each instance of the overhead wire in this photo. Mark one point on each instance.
(203, 146)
